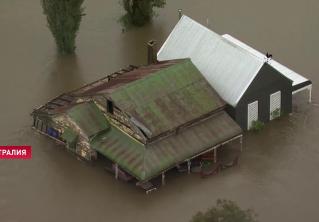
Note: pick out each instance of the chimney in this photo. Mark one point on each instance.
(151, 52)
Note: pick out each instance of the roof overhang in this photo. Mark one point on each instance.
(299, 82)
(148, 161)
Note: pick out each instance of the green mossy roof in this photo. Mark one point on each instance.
(69, 135)
(89, 118)
(147, 161)
(168, 98)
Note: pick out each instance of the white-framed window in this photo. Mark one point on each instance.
(275, 105)
(252, 114)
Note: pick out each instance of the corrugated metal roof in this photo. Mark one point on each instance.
(168, 98)
(126, 77)
(122, 149)
(89, 118)
(104, 85)
(295, 77)
(145, 162)
(227, 67)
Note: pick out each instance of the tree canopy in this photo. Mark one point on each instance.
(225, 211)
(64, 18)
(139, 12)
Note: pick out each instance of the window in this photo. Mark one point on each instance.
(275, 105)
(252, 113)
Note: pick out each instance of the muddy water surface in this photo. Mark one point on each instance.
(278, 173)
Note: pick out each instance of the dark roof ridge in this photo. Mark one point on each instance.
(185, 126)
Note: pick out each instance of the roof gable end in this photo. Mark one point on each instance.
(228, 68)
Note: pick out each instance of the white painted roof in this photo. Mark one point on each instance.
(227, 67)
(295, 77)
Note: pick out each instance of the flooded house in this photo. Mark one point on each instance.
(145, 120)
(254, 86)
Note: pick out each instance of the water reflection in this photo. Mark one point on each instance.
(133, 42)
(64, 74)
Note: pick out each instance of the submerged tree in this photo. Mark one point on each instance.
(64, 18)
(225, 211)
(139, 12)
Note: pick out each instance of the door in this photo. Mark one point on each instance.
(275, 105)
(252, 113)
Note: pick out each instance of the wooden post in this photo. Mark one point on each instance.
(189, 166)
(241, 143)
(310, 94)
(116, 171)
(34, 120)
(163, 179)
(215, 155)
(36, 123)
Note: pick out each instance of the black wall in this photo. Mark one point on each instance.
(267, 81)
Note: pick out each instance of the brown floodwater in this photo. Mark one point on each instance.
(278, 173)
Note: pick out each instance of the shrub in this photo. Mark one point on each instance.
(276, 113)
(225, 211)
(139, 12)
(257, 125)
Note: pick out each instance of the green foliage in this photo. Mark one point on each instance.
(139, 12)
(225, 211)
(257, 125)
(276, 113)
(206, 163)
(64, 18)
